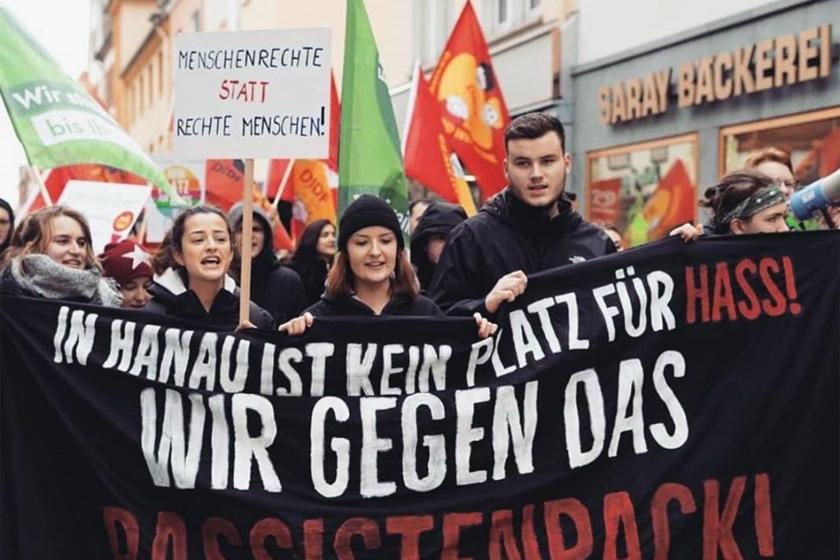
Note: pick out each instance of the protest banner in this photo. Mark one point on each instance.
(674, 401)
(249, 94)
(110, 208)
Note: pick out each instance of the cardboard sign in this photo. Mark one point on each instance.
(110, 208)
(253, 94)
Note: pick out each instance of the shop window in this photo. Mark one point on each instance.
(502, 16)
(811, 139)
(643, 190)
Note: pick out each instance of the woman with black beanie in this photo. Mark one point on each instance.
(371, 275)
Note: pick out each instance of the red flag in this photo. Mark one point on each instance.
(223, 182)
(673, 203)
(426, 154)
(474, 111)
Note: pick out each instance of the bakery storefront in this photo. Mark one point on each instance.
(656, 126)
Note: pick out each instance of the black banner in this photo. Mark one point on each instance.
(676, 401)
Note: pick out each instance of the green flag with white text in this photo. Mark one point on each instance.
(57, 122)
(369, 158)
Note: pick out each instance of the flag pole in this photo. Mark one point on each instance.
(42, 186)
(281, 189)
(141, 231)
(245, 252)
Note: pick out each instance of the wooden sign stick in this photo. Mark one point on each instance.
(247, 224)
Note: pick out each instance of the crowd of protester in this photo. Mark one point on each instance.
(453, 265)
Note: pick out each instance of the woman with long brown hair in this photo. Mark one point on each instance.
(50, 256)
(195, 284)
(314, 256)
(371, 274)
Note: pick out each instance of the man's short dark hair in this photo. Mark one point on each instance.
(531, 126)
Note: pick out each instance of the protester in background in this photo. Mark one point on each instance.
(415, 210)
(130, 266)
(7, 225)
(747, 201)
(313, 258)
(371, 275)
(274, 287)
(526, 228)
(429, 238)
(776, 164)
(198, 287)
(50, 256)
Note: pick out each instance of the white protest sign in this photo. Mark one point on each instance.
(110, 208)
(252, 94)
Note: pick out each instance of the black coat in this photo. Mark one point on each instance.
(508, 235)
(314, 276)
(171, 297)
(350, 306)
(274, 287)
(277, 289)
(438, 219)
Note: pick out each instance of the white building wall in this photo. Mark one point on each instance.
(608, 27)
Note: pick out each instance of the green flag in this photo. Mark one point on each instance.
(369, 159)
(57, 122)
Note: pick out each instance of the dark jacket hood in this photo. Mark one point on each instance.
(171, 290)
(439, 219)
(170, 296)
(510, 210)
(266, 256)
(328, 306)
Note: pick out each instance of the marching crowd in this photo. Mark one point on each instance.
(457, 265)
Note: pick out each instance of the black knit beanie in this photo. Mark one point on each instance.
(365, 211)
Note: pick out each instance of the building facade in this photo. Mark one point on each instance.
(656, 123)
(132, 45)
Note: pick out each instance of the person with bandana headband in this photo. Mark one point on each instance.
(747, 201)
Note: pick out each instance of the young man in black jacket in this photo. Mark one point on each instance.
(526, 228)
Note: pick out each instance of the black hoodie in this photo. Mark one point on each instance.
(438, 219)
(508, 235)
(171, 297)
(421, 306)
(276, 288)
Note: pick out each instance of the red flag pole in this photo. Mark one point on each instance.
(247, 223)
